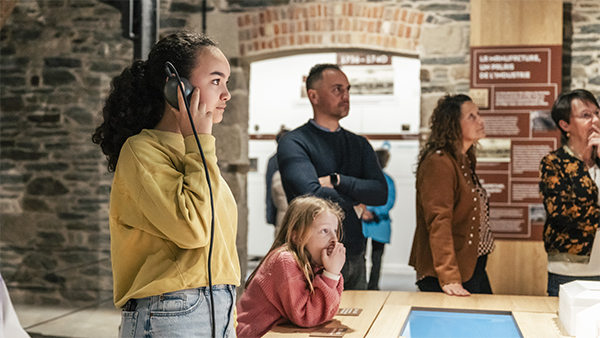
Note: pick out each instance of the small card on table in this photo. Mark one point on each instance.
(329, 332)
(349, 312)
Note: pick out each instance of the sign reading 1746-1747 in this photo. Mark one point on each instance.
(515, 88)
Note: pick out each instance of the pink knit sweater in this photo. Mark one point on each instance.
(279, 293)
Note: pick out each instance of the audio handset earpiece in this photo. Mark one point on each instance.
(173, 84)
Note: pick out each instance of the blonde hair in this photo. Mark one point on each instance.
(295, 232)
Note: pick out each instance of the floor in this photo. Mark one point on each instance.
(102, 321)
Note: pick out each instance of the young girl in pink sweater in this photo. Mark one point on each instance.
(299, 279)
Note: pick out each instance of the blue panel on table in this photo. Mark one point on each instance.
(452, 324)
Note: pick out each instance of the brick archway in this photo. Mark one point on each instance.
(300, 27)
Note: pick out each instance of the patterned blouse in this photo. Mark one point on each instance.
(571, 201)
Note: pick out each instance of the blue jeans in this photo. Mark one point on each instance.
(555, 281)
(184, 314)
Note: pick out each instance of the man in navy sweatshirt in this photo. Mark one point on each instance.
(323, 159)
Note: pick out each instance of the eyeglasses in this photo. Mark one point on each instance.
(588, 115)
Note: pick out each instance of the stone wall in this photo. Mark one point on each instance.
(57, 58)
(581, 49)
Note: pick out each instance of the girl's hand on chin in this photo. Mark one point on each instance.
(334, 257)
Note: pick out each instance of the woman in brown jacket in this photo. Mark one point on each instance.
(452, 237)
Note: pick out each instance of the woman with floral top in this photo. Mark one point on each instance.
(569, 178)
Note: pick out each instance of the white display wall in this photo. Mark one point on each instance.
(276, 100)
(276, 87)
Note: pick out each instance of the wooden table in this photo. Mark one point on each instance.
(370, 302)
(384, 313)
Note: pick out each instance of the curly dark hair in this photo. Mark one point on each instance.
(446, 132)
(136, 100)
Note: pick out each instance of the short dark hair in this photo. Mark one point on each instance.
(561, 110)
(316, 73)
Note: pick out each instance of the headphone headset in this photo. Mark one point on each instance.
(172, 85)
(171, 88)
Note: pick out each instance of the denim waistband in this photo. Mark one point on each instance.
(131, 304)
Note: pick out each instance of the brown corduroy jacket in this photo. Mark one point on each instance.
(447, 232)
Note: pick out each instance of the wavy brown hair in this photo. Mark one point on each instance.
(295, 232)
(446, 132)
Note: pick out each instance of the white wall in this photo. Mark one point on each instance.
(275, 87)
